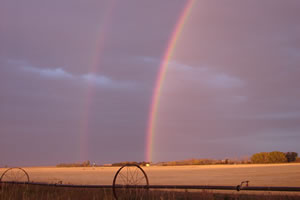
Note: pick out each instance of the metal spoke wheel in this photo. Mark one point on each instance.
(130, 182)
(15, 174)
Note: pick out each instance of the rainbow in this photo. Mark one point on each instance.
(161, 76)
(90, 90)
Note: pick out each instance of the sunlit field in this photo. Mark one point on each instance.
(258, 175)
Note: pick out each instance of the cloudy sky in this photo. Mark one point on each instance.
(77, 79)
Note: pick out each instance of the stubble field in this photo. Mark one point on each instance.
(231, 175)
(258, 175)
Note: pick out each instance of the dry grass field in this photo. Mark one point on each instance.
(258, 175)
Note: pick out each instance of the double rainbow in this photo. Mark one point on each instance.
(84, 123)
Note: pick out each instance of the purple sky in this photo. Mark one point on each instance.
(231, 89)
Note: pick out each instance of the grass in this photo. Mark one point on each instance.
(34, 192)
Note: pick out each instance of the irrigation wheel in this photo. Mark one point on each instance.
(15, 174)
(130, 182)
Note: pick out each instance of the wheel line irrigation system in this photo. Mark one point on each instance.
(131, 176)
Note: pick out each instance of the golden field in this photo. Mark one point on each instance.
(258, 175)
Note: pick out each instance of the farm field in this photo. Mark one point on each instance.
(258, 175)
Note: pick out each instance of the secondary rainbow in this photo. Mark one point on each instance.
(161, 76)
(90, 89)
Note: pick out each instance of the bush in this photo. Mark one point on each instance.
(260, 157)
(276, 157)
(291, 156)
(269, 157)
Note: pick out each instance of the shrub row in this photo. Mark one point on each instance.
(83, 164)
(274, 157)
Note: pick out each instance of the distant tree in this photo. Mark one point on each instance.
(276, 157)
(291, 156)
(269, 157)
(260, 157)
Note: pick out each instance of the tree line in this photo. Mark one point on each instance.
(78, 164)
(257, 158)
(274, 157)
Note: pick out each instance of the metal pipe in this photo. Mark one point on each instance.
(206, 187)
